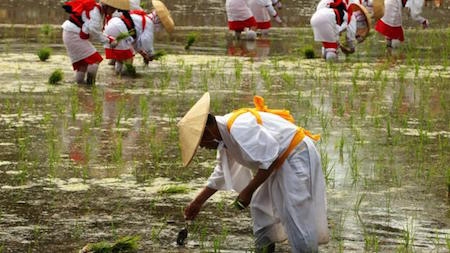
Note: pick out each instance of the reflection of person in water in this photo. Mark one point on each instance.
(286, 194)
(259, 48)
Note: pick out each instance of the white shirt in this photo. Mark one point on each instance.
(92, 26)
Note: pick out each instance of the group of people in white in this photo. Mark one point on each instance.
(122, 26)
(332, 17)
(125, 29)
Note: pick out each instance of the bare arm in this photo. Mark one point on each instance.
(192, 210)
(261, 176)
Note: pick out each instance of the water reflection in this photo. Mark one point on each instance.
(258, 49)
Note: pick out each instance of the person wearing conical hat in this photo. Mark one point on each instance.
(134, 32)
(86, 22)
(263, 11)
(390, 25)
(273, 165)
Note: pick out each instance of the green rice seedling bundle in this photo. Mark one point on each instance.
(56, 77)
(44, 53)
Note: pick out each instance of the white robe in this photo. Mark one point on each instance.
(393, 11)
(291, 203)
(324, 25)
(262, 9)
(144, 36)
(78, 48)
(237, 10)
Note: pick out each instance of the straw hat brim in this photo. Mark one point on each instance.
(118, 4)
(362, 31)
(378, 9)
(164, 15)
(191, 128)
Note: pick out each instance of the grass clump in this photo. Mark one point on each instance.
(308, 52)
(192, 37)
(158, 54)
(173, 189)
(44, 53)
(56, 77)
(127, 244)
(130, 70)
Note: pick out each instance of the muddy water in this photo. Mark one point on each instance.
(83, 164)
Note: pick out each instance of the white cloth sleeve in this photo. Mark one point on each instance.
(228, 174)
(255, 141)
(94, 25)
(268, 5)
(145, 41)
(351, 29)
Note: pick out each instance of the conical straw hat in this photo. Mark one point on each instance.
(378, 9)
(191, 128)
(118, 4)
(164, 15)
(363, 28)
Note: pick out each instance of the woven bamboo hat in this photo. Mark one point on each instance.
(378, 9)
(364, 24)
(191, 128)
(164, 15)
(118, 4)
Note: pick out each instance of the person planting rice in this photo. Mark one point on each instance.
(240, 19)
(134, 32)
(286, 196)
(263, 10)
(333, 17)
(86, 21)
(390, 24)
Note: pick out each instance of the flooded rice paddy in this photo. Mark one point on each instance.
(83, 164)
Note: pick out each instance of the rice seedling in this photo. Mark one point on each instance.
(159, 54)
(156, 231)
(238, 67)
(118, 149)
(174, 189)
(354, 163)
(44, 53)
(326, 168)
(220, 239)
(45, 33)
(130, 70)
(191, 38)
(126, 244)
(56, 77)
(371, 243)
(408, 236)
(308, 52)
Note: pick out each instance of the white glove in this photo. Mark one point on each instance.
(278, 19)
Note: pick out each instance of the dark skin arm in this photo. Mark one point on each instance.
(192, 210)
(261, 176)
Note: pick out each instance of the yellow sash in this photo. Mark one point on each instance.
(261, 107)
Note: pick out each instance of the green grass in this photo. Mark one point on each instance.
(174, 189)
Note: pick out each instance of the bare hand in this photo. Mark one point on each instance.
(147, 57)
(191, 211)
